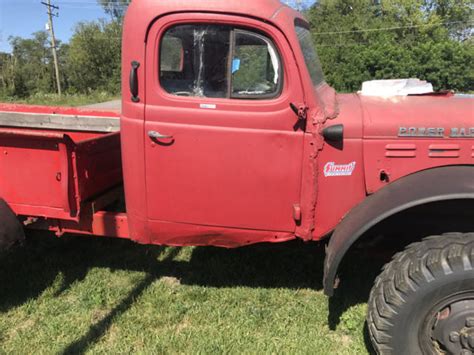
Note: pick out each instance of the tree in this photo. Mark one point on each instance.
(458, 16)
(29, 69)
(5, 75)
(90, 62)
(115, 8)
(94, 57)
(364, 39)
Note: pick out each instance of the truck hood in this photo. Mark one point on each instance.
(420, 116)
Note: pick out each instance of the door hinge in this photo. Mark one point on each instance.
(297, 212)
(301, 111)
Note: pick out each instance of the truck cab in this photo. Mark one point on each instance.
(219, 122)
(231, 136)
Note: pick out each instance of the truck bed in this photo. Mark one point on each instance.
(54, 161)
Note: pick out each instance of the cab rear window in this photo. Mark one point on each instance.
(219, 61)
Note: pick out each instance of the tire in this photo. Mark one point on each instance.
(11, 231)
(423, 301)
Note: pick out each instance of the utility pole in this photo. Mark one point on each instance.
(53, 40)
(299, 5)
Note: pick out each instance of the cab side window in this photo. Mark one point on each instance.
(203, 51)
(255, 66)
(219, 61)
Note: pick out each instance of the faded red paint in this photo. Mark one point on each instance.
(50, 174)
(234, 175)
(100, 224)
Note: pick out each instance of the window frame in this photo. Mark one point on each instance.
(303, 24)
(229, 95)
(268, 96)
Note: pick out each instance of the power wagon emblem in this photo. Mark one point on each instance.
(436, 132)
(333, 169)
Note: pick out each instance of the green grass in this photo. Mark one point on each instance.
(75, 295)
(72, 100)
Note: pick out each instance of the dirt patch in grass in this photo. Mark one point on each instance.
(170, 281)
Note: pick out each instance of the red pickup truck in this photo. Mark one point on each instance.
(230, 136)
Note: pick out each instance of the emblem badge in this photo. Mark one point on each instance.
(333, 169)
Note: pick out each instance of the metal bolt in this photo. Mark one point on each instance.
(454, 337)
(470, 322)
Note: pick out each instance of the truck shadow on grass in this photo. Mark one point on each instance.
(26, 272)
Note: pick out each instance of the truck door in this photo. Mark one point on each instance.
(221, 147)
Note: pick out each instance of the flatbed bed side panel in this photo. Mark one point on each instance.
(34, 172)
(44, 173)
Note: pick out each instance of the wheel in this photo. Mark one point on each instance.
(423, 301)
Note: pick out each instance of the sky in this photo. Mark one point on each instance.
(23, 17)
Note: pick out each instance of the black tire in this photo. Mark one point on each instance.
(11, 231)
(426, 290)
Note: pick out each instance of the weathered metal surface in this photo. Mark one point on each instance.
(61, 122)
(51, 173)
(58, 110)
(99, 224)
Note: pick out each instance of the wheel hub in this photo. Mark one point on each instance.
(453, 328)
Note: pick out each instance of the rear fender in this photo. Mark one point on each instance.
(439, 184)
(11, 230)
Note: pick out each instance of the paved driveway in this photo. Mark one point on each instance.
(115, 105)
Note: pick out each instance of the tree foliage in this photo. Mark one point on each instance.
(90, 62)
(357, 40)
(29, 69)
(115, 8)
(361, 40)
(93, 60)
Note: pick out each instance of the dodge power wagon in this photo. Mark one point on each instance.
(230, 136)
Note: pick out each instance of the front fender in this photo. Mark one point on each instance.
(11, 230)
(438, 184)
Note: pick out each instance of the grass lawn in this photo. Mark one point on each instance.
(76, 294)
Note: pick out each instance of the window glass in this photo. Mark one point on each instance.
(173, 55)
(195, 60)
(205, 51)
(310, 55)
(255, 66)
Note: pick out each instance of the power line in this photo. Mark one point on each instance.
(92, 3)
(53, 39)
(392, 28)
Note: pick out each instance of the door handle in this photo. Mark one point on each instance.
(134, 81)
(158, 135)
